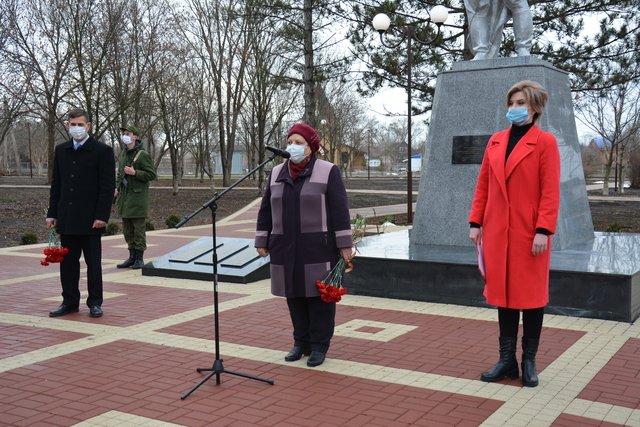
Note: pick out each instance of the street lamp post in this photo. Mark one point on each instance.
(381, 23)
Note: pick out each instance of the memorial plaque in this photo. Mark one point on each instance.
(224, 251)
(468, 149)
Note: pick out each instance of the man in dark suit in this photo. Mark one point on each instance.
(82, 188)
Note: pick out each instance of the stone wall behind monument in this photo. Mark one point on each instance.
(469, 106)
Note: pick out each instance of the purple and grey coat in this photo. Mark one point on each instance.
(303, 223)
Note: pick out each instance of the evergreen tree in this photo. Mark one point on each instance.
(609, 55)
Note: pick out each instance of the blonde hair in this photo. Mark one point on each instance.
(535, 94)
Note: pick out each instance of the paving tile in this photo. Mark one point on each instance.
(618, 383)
(391, 363)
(436, 344)
(16, 339)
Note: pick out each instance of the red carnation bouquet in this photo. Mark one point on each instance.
(54, 252)
(331, 289)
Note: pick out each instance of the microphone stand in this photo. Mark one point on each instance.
(217, 369)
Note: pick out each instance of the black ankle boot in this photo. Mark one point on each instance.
(316, 358)
(529, 350)
(507, 366)
(129, 261)
(296, 353)
(138, 262)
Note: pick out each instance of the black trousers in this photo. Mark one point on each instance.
(313, 322)
(508, 318)
(91, 246)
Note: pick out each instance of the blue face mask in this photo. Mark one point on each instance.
(78, 132)
(518, 115)
(297, 152)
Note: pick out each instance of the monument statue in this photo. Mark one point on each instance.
(487, 19)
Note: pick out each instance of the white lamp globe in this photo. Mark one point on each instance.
(381, 22)
(438, 14)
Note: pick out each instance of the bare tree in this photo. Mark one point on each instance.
(171, 73)
(217, 31)
(271, 95)
(203, 146)
(343, 123)
(36, 43)
(613, 114)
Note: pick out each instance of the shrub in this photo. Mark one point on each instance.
(112, 228)
(148, 225)
(614, 228)
(172, 220)
(357, 218)
(387, 218)
(28, 238)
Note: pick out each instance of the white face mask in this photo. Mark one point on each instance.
(297, 152)
(78, 132)
(126, 139)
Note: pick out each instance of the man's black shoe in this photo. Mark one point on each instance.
(62, 310)
(95, 311)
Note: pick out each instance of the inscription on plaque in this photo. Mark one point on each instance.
(468, 149)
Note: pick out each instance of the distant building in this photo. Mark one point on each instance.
(600, 144)
(416, 163)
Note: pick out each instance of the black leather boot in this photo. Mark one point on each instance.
(138, 262)
(529, 350)
(316, 358)
(507, 366)
(297, 352)
(129, 261)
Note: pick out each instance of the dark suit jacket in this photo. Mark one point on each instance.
(82, 187)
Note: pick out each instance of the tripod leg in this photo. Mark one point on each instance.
(251, 377)
(202, 381)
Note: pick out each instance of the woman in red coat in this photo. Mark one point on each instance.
(514, 214)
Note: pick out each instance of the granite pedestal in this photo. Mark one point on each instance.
(469, 106)
(592, 275)
(598, 279)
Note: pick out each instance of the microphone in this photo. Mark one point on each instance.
(278, 152)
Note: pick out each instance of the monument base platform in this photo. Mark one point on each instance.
(599, 279)
(238, 261)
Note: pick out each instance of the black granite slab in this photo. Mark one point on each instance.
(599, 279)
(238, 261)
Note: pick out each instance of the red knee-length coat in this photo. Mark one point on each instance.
(511, 201)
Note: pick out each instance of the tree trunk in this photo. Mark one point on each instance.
(605, 182)
(16, 154)
(308, 77)
(51, 142)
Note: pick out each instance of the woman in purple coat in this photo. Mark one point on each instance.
(303, 223)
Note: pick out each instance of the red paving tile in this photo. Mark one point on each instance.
(137, 304)
(441, 345)
(15, 340)
(14, 267)
(618, 383)
(132, 383)
(566, 420)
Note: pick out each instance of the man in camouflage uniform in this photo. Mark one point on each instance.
(135, 170)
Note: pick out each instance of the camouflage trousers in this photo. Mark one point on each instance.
(134, 230)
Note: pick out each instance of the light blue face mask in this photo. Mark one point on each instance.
(518, 115)
(297, 152)
(78, 132)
